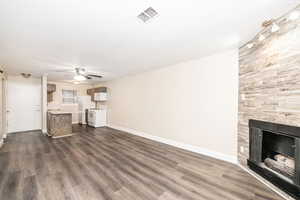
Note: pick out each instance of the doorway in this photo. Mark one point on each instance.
(23, 104)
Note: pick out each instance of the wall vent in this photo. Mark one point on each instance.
(147, 14)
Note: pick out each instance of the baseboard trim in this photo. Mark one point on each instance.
(192, 148)
(265, 182)
(44, 131)
(17, 132)
(56, 137)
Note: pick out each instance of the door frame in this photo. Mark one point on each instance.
(3, 131)
(4, 107)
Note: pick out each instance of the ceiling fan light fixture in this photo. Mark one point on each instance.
(275, 28)
(250, 45)
(261, 37)
(79, 77)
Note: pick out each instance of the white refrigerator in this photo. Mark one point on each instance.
(84, 102)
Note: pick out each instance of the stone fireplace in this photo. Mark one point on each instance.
(275, 154)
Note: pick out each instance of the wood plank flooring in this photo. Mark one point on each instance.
(106, 164)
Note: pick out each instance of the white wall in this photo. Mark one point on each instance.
(193, 103)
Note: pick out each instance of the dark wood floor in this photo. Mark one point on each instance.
(112, 165)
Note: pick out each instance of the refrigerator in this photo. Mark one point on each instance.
(84, 103)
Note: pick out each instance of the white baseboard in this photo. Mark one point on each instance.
(44, 131)
(1, 142)
(265, 182)
(192, 148)
(62, 136)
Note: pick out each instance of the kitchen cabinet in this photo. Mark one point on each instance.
(59, 124)
(90, 92)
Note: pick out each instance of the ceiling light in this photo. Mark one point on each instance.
(275, 28)
(261, 37)
(79, 78)
(250, 45)
(294, 15)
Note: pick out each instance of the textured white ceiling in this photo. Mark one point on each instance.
(40, 36)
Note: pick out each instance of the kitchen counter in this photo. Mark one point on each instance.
(59, 124)
(59, 112)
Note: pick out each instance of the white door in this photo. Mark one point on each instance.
(23, 104)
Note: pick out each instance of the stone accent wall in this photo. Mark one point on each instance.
(270, 81)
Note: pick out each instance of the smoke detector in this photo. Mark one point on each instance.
(147, 14)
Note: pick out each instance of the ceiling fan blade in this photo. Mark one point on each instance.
(87, 77)
(63, 70)
(94, 75)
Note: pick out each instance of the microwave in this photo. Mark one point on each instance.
(100, 96)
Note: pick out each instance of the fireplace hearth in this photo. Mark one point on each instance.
(275, 154)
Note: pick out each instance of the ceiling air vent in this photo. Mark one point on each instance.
(147, 14)
(143, 17)
(150, 12)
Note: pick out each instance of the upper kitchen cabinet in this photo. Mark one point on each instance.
(90, 91)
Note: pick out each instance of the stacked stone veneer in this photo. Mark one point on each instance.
(269, 77)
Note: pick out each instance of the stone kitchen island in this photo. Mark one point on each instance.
(59, 124)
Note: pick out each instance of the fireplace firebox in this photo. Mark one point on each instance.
(275, 154)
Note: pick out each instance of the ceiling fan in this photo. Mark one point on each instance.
(82, 74)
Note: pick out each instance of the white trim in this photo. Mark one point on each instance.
(55, 137)
(44, 131)
(267, 183)
(195, 149)
(1, 142)
(44, 103)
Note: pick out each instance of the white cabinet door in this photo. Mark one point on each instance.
(23, 104)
